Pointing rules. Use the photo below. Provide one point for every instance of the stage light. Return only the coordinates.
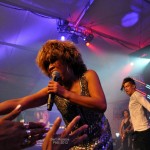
(68, 28)
(63, 26)
(142, 53)
(61, 22)
(87, 43)
(89, 37)
(147, 86)
(62, 38)
(130, 19)
(74, 38)
(117, 135)
(84, 38)
(131, 64)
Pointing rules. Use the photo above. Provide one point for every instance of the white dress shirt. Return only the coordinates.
(138, 118)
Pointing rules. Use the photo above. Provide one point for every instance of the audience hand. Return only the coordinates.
(13, 114)
(17, 135)
(66, 139)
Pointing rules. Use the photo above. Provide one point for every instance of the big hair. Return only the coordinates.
(125, 110)
(65, 51)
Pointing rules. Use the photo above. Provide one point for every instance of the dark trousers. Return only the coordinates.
(127, 143)
(142, 140)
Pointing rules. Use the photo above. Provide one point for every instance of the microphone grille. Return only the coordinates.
(55, 74)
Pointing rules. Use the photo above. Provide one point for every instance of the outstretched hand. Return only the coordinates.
(13, 114)
(17, 135)
(66, 139)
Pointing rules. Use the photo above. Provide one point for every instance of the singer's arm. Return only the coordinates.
(97, 98)
(34, 100)
(95, 101)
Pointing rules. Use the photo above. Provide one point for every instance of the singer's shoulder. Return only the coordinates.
(90, 71)
(90, 74)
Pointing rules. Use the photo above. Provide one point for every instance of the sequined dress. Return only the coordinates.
(99, 133)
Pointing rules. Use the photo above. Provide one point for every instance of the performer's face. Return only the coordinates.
(60, 67)
(126, 114)
(129, 88)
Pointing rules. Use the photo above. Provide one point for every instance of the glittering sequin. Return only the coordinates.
(99, 134)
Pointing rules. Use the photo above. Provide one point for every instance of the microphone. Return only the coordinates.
(51, 97)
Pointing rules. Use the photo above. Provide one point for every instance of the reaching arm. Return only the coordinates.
(34, 100)
(97, 98)
(71, 138)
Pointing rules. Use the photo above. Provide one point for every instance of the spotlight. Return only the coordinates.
(61, 22)
(143, 52)
(89, 37)
(62, 38)
(131, 64)
(68, 29)
(117, 135)
(74, 38)
(147, 86)
(87, 43)
(63, 26)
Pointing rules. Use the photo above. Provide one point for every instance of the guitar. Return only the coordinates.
(125, 131)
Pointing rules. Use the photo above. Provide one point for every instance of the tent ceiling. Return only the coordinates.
(119, 28)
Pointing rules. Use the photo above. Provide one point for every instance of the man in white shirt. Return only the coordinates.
(137, 104)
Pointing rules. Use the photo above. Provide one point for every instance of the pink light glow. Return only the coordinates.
(127, 69)
(96, 50)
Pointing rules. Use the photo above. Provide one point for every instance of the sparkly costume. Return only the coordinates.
(99, 134)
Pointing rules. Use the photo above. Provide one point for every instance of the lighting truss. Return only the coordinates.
(63, 26)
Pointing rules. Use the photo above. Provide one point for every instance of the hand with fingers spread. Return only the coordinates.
(17, 135)
(67, 138)
(13, 135)
(32, 132)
